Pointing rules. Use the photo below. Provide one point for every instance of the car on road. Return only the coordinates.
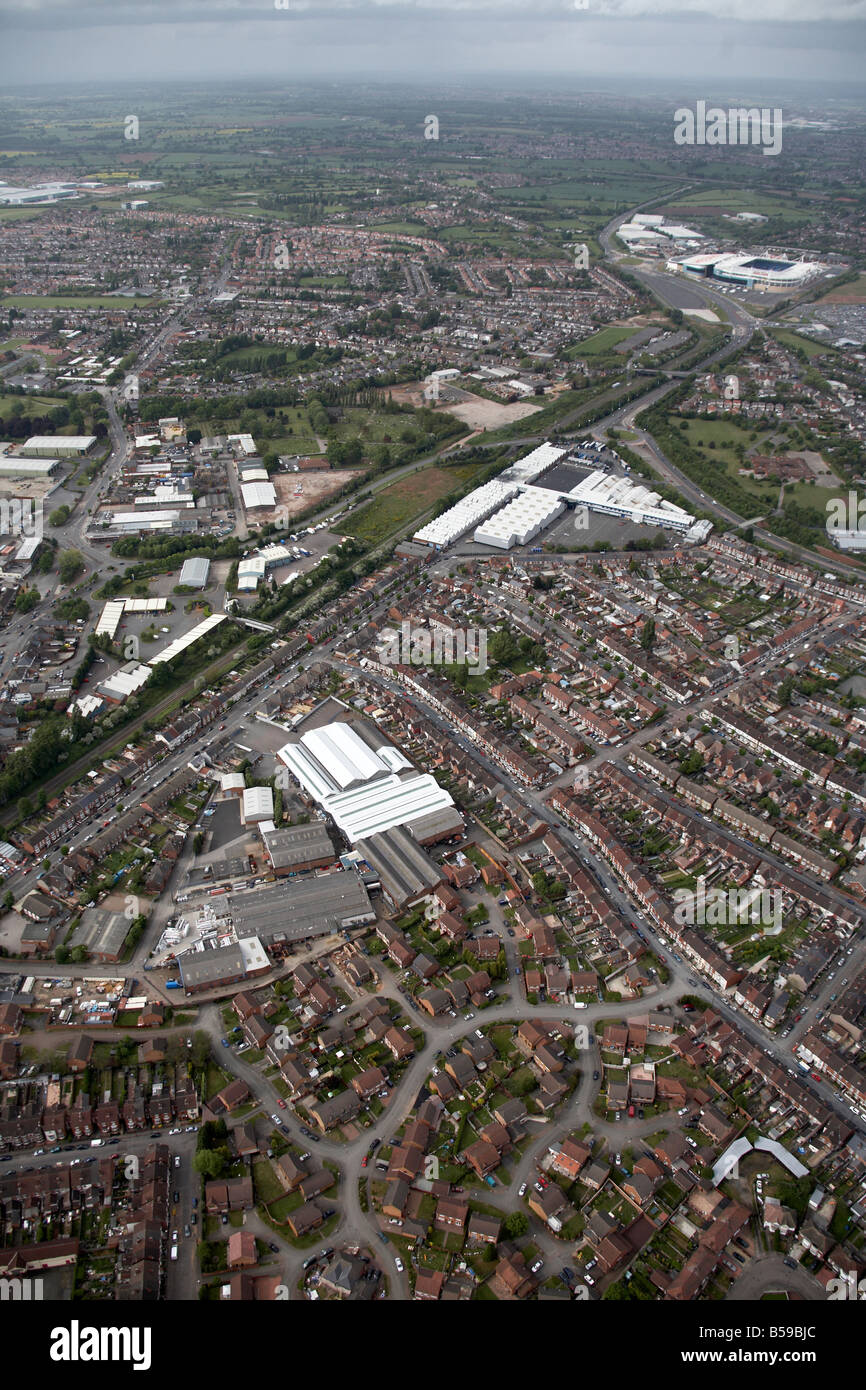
(187, 1231)
(281, 1104)
(791, 1264)
(276, 1119)
(510, 931)
(177, 1160)
(521, 1191)
(398, 1264)
(225, 1218)
(365, 1160)
(272, 1245)
(224, 1041)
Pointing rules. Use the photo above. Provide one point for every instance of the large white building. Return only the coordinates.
(763, 272)
(365, 790)
(517, 523)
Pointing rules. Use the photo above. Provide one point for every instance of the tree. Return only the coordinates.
(648, 634)
(516, 1224)
(209, 1163)
(8, 900)
(70, 565)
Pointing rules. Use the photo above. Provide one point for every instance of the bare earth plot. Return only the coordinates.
(315, 487)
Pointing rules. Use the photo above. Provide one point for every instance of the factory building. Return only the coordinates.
(58, 445)
(195, 571)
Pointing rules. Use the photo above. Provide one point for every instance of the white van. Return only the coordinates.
(174, 1252)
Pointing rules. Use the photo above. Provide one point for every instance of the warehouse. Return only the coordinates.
(250, 571)
(102, 932)
(200, 970)
(522, 519)
(12, 467)
(124, 682)
(258, 805)
(468, 512)
(405, 872)
(365, 790)
(180, 644)
(194, 573)
(299, 848)
(327, 903)
(58, 446)
(257, 495)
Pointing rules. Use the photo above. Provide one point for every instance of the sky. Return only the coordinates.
(694, 41)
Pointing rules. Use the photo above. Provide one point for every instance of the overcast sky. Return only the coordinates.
(70, 41)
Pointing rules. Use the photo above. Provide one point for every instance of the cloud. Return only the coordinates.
(59, 15)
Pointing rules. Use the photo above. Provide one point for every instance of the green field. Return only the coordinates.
(726, 434)
(396, 506)
(603, 341)
(807, 345)
(32, 405)
(67, 301)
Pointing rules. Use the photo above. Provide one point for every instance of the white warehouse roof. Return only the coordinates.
(180, 644)
(525, 469)
(521, 519)
(258, 495)
(468, 512)
(258, 803)
(343, 754)
(379, 806)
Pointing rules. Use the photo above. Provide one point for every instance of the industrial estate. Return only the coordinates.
(432, 709)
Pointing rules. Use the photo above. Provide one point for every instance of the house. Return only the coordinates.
(231, 1194)
(233, 1095)
(241, 1250)
(399, 1044)
(368, 1082)
(428, 1284)
(396, 1199)
(340, 1110)
(304, 1219)
(451, 1214)
(551, 1206)
(483, 1157)
(568, 1158)
(318, 1182)
(80, 1053)
(290, 1171)
(512, 1279)
(483, 1230)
